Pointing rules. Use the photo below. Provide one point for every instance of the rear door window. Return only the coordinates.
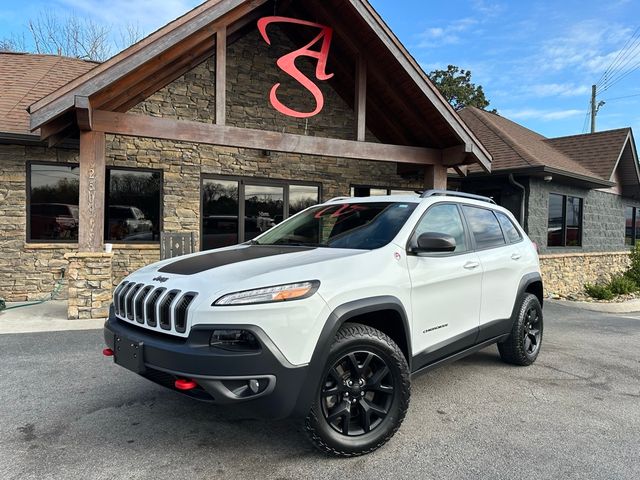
(509, 229)
(484, 227)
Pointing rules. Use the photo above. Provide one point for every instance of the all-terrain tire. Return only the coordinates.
(364, 342)
(523, 344)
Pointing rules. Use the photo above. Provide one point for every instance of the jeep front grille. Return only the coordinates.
(153, 307)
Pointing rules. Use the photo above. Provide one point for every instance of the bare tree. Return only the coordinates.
(15, 43)
(72, 36)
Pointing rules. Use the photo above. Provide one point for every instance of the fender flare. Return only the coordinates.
(525, 281)
(336, 319)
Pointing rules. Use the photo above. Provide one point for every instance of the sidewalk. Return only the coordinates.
(46, 317)
(630, 306)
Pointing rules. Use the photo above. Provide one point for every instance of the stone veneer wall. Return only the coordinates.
(565, 274)
(90, 285)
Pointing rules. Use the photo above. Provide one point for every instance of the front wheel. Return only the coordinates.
(522, 346)
(364, 394)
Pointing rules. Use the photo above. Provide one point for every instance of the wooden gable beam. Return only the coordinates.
(84, 113)
(198, 132)
(361, 98)
(221, 75)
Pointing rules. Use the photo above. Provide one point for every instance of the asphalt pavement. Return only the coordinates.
(66, 412)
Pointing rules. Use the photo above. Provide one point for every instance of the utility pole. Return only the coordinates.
(595, 107)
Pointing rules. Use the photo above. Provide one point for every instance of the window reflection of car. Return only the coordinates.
(54, 220)
(127, 222)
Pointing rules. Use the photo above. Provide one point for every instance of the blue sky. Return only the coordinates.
(536, 60)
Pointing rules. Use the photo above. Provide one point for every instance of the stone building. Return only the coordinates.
(578, 197)
(202, 128)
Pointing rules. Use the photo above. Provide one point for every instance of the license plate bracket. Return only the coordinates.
(129, 353)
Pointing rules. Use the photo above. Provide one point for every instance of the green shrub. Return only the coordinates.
(634, 268)
(622, 284)
(598, 291)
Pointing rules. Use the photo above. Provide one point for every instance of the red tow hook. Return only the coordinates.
(185, 384)
(107, 352)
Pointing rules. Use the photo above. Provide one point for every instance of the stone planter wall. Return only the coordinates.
(90, 285)
(565, 274)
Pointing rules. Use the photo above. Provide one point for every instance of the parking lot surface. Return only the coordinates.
(68, 412)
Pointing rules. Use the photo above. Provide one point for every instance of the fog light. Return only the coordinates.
(236, 340)
(254, 385)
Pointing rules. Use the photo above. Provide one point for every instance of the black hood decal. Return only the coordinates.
(200, 263)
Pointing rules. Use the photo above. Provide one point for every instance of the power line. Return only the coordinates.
(621, 98)
(618, 58)
(622, 76)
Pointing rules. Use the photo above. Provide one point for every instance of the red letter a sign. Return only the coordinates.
(287, 64)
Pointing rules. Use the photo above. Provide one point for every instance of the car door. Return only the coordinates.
(445, 288)
(500, 259)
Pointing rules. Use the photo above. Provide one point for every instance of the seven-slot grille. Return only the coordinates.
(154, 307)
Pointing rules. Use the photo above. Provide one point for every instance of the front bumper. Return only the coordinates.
(221, 375)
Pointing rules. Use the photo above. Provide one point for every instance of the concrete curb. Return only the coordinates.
(629, 306)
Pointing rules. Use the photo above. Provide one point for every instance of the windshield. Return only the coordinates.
(363, 226)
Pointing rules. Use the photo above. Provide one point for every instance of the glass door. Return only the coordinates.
(263, 208)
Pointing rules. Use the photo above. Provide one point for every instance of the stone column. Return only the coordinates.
(90, 284)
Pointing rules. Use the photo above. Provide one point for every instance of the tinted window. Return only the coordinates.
(509, 229)
(565, 221)
(484, 227)
(219, 213)
(443, 219)
(555, 230)
(133, 205)
(629, 231)
(53, 201)
(363, 226)
(301, 197)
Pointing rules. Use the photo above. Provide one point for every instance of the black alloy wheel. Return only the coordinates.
(357, 393)
(523, 344)
(363, 393)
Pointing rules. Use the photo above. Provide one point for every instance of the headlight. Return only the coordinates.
(277, 293)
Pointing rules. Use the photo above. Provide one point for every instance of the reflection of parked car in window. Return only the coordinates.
(127, 222)
(54, 220)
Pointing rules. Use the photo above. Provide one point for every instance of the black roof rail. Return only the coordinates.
(452, 193)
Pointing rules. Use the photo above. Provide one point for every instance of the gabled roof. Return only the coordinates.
(590, 158)
(599, 152)
(400, 91)
(24, 78)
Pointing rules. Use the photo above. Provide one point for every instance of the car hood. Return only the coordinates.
(245, 267)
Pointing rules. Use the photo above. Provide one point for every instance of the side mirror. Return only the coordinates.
(433, 242)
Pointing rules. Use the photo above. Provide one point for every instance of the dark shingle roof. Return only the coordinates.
(25, 78)
(599, 151)
(513, 146)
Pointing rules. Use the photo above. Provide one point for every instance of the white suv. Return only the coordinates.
(327, 315)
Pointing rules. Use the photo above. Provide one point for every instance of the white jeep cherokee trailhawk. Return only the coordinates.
(327, 315)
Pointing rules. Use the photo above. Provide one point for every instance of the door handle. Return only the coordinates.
(515, 256)
(471, 265)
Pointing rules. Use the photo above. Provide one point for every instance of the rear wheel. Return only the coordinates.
(364, 394)
(522, 346)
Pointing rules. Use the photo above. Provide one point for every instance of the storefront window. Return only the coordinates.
(219, 213)
(564, 228)
(263, 205)
(132, 207)
(301, 197)
(632, 225)
(53, 202)
(365, 191)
